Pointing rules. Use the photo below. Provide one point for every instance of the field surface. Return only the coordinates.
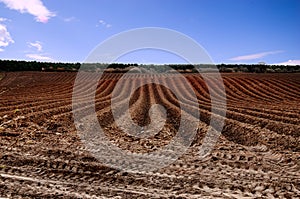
(256, 156)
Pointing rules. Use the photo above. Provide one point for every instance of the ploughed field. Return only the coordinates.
(256, 156)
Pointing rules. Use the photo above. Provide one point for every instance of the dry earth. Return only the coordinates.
(256, 156)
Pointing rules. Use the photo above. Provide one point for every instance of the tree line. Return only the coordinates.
(14, 65)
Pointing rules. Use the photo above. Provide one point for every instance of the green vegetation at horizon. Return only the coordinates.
(13, 65)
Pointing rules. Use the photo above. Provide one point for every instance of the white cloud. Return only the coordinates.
(1, 50)
(36, 53)
(5, 38)
(2, 19)
(37, 45)
(103, 23)
(33, 7)
(289, 62)
(39, 57)
(69, 19)
(254, 56)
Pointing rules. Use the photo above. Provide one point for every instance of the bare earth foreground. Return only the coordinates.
(256, 156)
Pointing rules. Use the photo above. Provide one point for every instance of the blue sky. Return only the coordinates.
(231, 31)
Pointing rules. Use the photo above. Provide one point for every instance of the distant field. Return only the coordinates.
(257, 154)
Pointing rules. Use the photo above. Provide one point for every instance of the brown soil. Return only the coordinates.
(256, 156)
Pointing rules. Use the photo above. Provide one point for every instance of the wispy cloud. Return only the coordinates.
(37, 52)
(69, 19)
(254, 56)
(39, 57)
(33, 7)
(103, 23)
(5, 38)
(289, 62)
(3, 19)
(37, 45)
